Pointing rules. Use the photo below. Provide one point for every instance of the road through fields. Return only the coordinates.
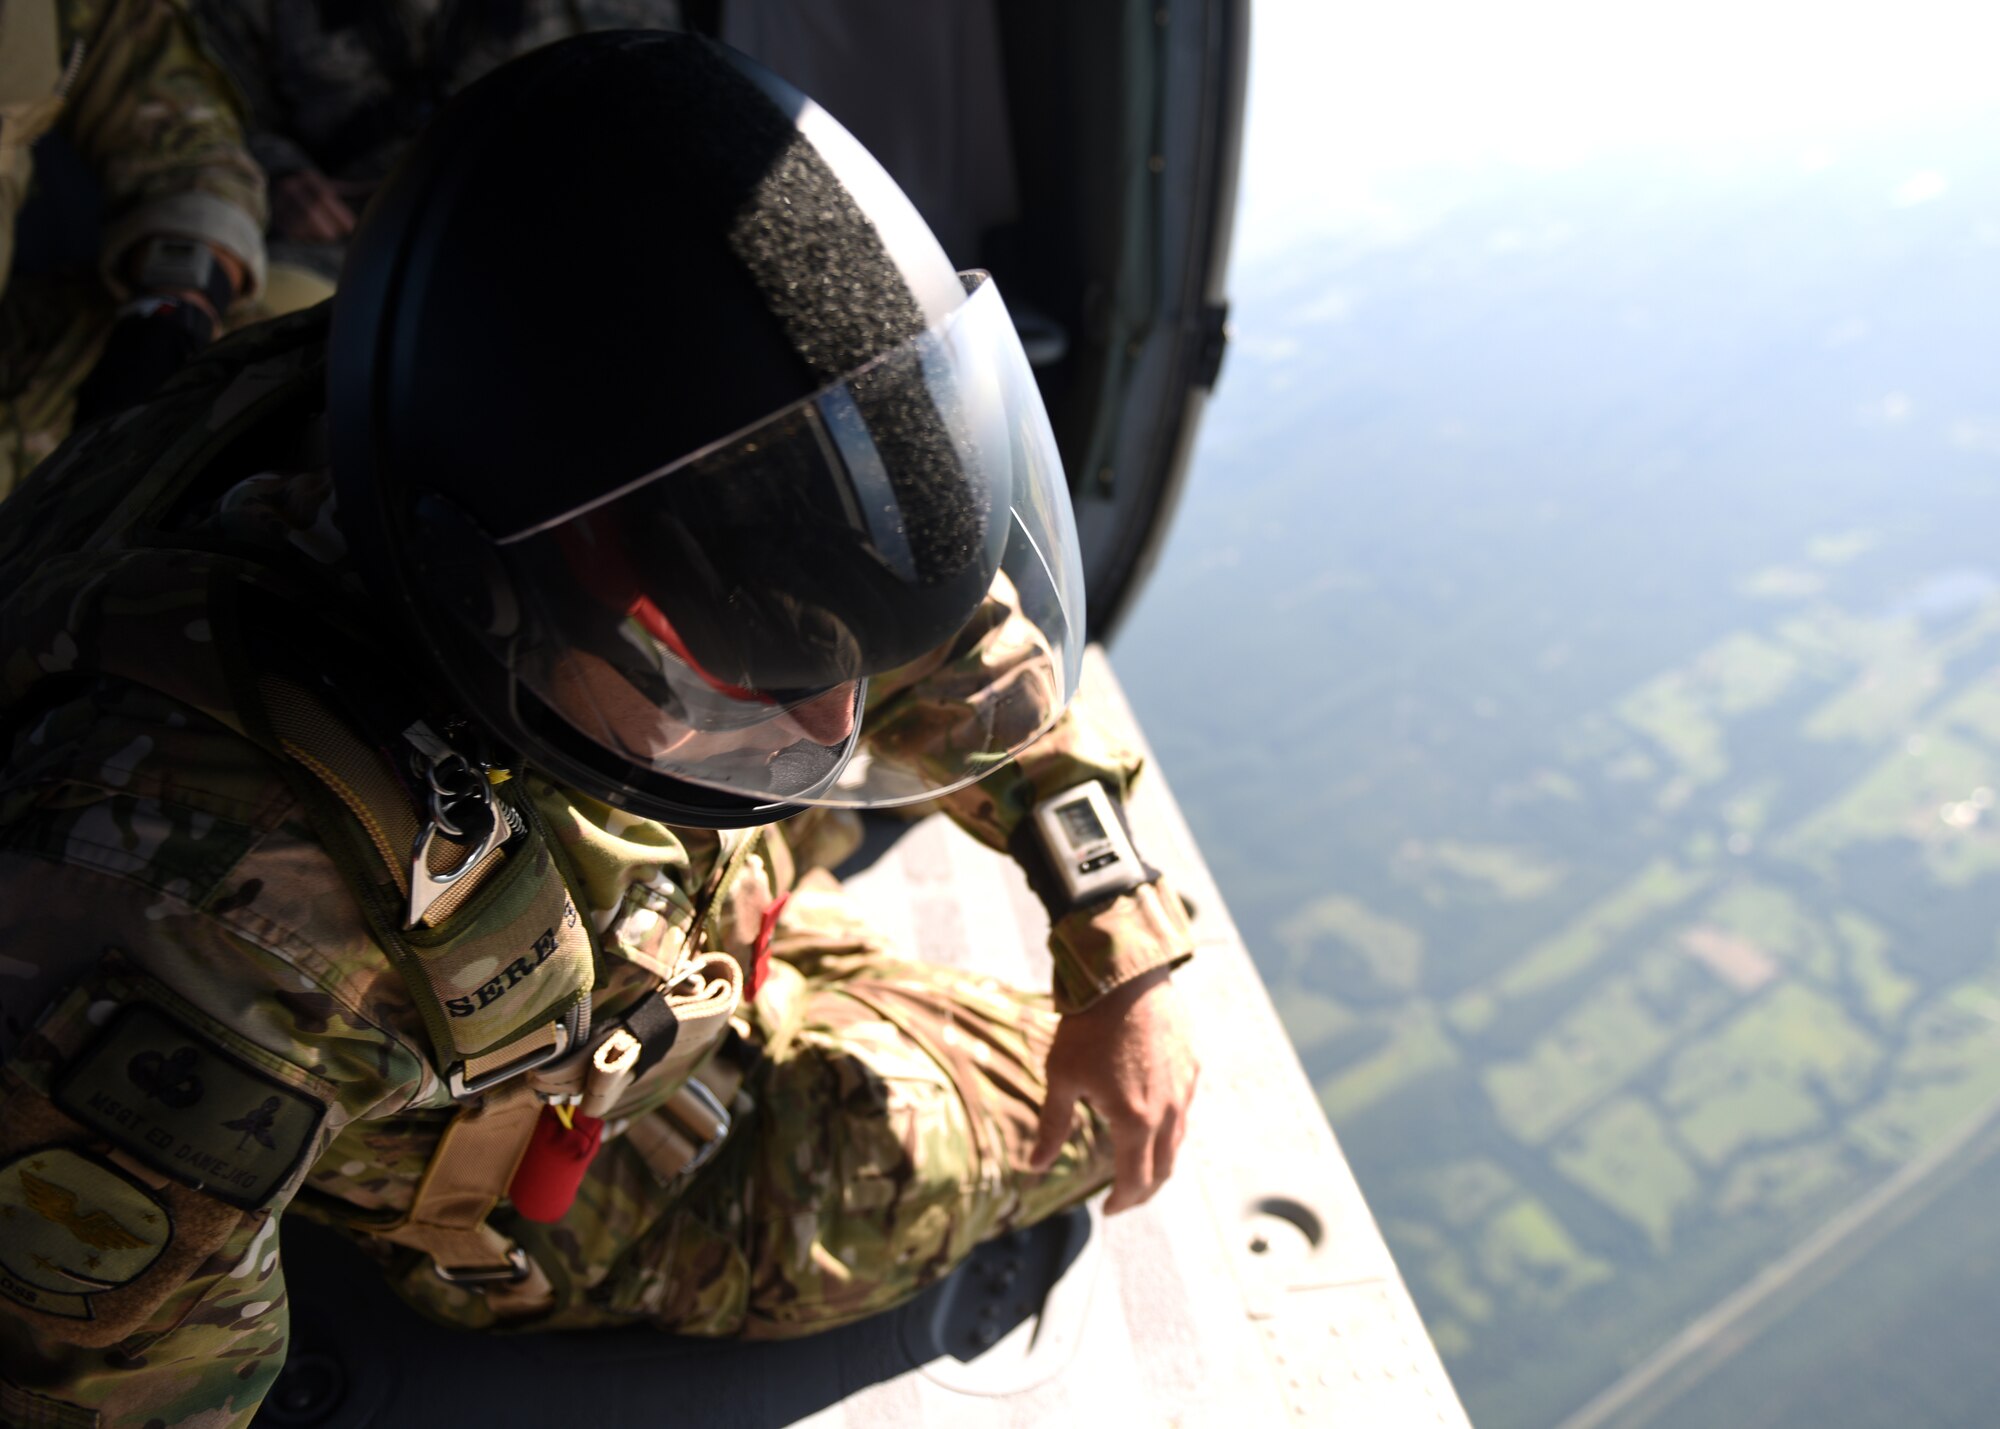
(1736, 1322)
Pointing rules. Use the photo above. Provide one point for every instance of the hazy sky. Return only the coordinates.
(1346, 98)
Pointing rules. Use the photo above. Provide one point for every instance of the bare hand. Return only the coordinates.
(1130, 1057)
(307, 208)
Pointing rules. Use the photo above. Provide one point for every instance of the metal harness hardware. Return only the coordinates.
(513, 1272)
(707, 1106)
(463, 1084)
(462, 807)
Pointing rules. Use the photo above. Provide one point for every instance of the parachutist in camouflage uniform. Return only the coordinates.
(398, 837)
(337, 88)
(115, 97)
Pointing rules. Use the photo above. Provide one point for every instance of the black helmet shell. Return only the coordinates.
(602, 259)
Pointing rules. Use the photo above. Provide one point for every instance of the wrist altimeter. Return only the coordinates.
(1086, 845)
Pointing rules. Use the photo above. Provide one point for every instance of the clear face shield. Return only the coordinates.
(732, 619)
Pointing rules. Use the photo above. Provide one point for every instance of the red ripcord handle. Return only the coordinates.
(558, 1156)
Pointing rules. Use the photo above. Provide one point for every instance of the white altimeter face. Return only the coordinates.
(1087, 845)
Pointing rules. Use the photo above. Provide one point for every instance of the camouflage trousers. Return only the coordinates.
(890, 1135)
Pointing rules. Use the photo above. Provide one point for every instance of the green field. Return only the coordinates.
(1621, 833)
(1696, 1040)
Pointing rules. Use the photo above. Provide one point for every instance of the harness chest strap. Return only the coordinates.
(501, 966)
(477, 1157)
(484, 1032)
(474, 1161)
(370, 815)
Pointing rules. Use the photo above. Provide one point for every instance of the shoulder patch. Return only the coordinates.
(183, 1104)
(74, 1227)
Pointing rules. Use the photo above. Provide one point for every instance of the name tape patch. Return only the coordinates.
(176, 1100)
(72, 1227)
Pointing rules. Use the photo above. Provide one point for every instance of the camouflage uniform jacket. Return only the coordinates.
(126, 85)
(157, 871)
(117, 95)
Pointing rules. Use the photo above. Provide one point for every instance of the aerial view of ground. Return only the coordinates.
(1579, 653)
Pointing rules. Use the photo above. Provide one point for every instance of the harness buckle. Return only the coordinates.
(513, 1272)
(713, 1135)
(463, 1086)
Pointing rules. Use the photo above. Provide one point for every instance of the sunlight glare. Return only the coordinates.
(1344, 97)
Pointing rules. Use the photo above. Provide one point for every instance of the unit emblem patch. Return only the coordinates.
(72, 1227)
(179, 1101)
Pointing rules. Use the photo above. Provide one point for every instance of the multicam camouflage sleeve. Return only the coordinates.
(999, 670)
(185, 1031)
(240, 34)
(161, 125)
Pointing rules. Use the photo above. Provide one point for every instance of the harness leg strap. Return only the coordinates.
(468, 1173)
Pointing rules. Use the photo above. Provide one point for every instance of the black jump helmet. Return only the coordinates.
(663, 421)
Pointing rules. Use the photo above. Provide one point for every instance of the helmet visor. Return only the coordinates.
(723, 620)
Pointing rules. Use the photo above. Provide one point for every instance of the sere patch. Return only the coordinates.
(75, 1227)
(174, 1098)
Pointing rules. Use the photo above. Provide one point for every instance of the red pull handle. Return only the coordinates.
(546, 1182)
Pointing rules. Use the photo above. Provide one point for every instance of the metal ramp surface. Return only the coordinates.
(1255, 1289)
